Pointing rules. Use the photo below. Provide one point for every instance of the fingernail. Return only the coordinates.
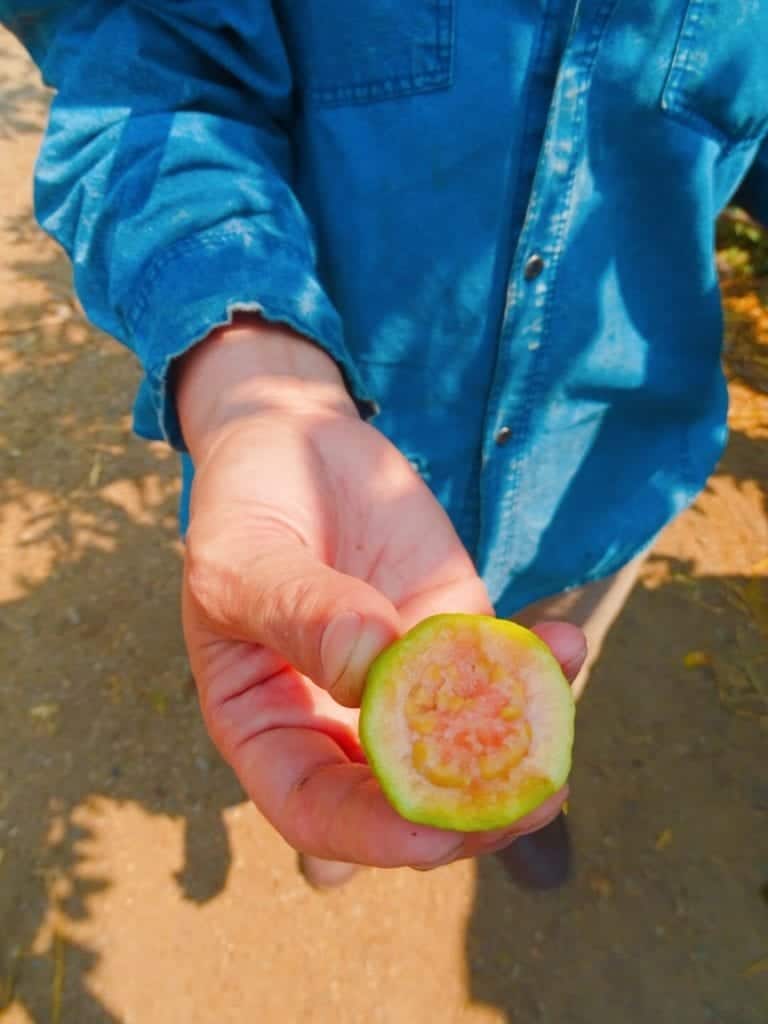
(567, 642)
(348, 647)
(572, 653)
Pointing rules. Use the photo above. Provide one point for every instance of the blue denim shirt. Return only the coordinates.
(497, 217)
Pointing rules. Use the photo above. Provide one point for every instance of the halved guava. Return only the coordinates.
(467, 722)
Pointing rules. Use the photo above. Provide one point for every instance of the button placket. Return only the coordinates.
(517, 378)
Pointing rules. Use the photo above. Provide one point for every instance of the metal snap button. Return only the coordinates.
(533, 267)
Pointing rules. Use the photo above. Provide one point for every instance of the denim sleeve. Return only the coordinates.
(753, 192)
(165, 172)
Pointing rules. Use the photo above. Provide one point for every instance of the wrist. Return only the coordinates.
(251, 368)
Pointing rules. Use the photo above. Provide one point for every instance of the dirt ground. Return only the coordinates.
(137, 887)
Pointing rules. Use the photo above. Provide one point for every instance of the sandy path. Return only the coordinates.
(136, 887)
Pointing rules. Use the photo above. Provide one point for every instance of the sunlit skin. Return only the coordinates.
(310, 533)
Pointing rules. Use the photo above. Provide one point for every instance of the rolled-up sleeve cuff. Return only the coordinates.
(197, 285)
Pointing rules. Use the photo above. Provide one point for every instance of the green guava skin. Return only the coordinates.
(471, 809)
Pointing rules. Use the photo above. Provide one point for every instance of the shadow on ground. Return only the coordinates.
(669, 803)
(95, 694)
(666, 916)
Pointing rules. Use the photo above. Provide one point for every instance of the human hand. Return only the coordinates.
(312, 545)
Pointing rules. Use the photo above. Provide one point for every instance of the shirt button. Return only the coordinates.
(503, 435)
(533, 267)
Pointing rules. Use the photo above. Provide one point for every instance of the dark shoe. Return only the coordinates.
(541, 860)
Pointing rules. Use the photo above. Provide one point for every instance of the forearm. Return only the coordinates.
(250, 367)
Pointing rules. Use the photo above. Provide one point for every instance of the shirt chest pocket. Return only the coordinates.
(718, 78)
(347, 52)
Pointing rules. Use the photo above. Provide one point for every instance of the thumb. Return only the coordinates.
(327, 625)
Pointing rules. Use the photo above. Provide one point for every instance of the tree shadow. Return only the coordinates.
(95, 695)
(669, 799)
(23, 103)
(668, 814)
(95, 692)
(664, 917)
(96, 700)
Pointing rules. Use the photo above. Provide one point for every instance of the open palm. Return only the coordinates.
(312, 545)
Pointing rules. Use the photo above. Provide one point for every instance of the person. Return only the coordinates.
(424, 295)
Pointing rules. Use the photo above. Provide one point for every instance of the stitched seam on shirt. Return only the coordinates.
(390, 83)
(204, 240)
(676, 101)
(394, 86)
(542, 357)
(443, 48)
(166, 412)
(703, 126)
(277, 310)
(531, 216)
(274, 310)
(512, 292)
(681, 58)
(510, 300)
(379, 91)
(540, 360)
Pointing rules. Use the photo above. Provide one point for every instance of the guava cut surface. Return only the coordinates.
(467, 722)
